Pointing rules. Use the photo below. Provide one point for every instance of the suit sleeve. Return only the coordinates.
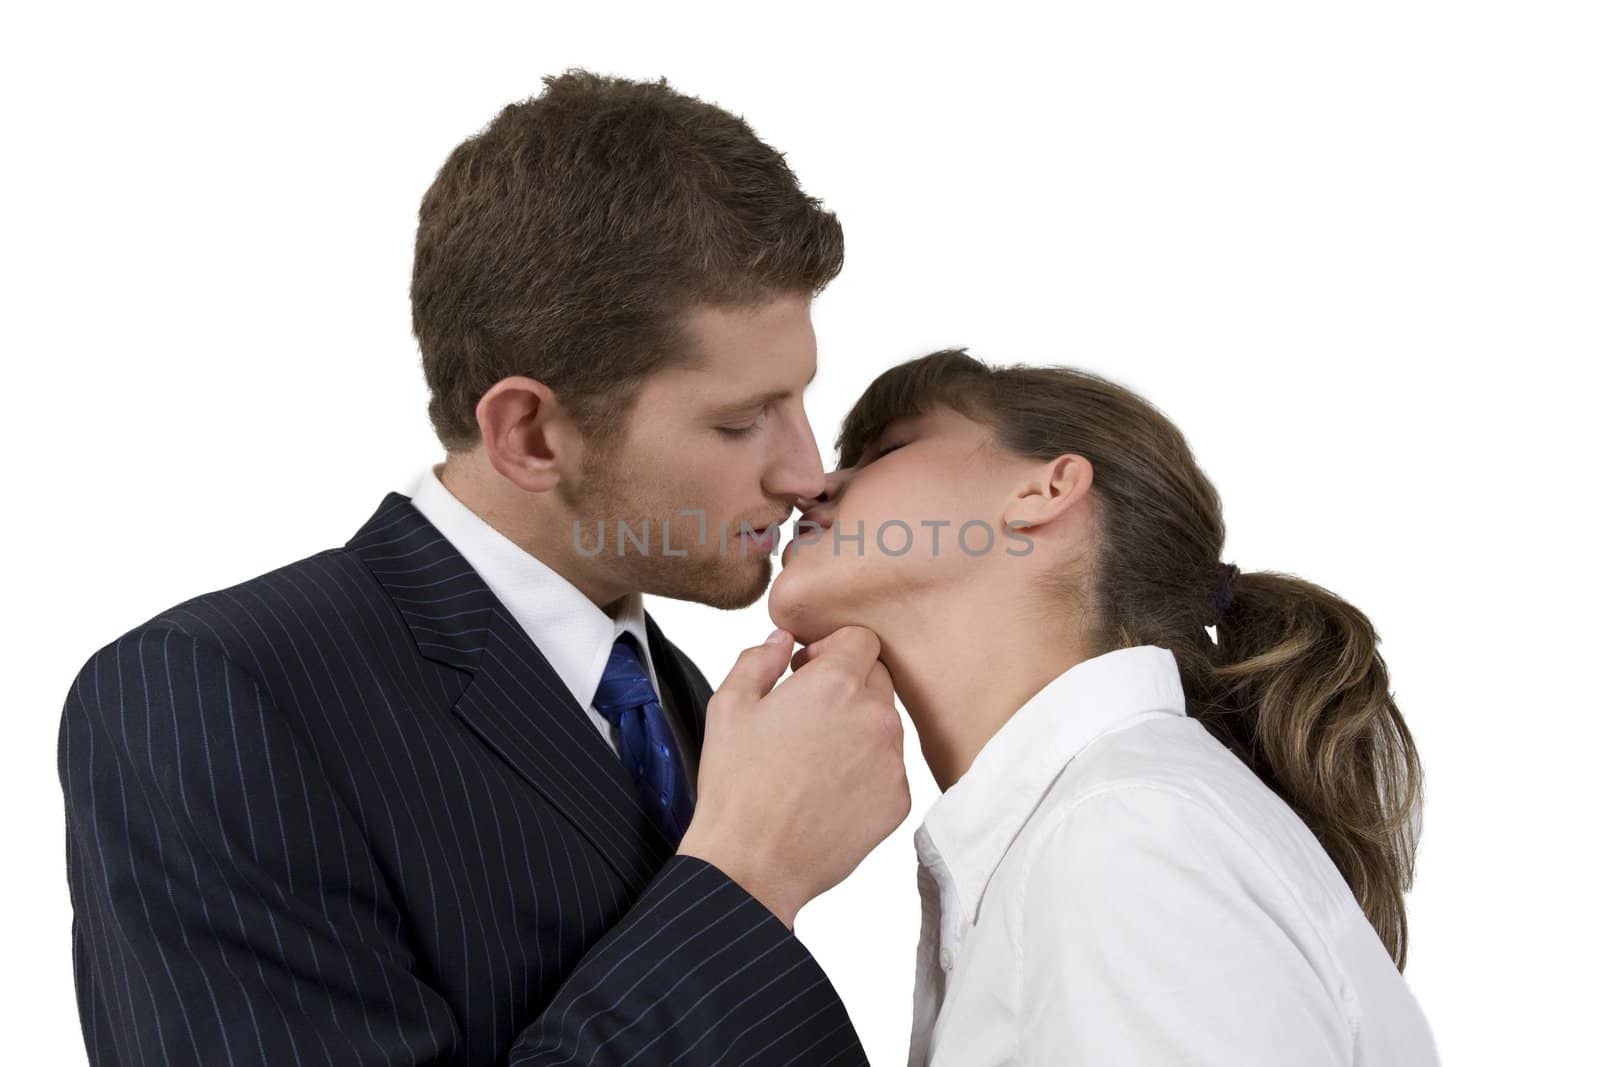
(698, 972)
(227, 909)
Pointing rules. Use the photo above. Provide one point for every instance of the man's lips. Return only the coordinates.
(758, 527)
(764, 539)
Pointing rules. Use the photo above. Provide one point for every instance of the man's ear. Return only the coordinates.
(527, 437)
(1048, 491)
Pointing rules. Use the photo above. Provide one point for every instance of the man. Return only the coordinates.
(447, 795)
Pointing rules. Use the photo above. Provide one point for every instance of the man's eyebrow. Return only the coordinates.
(761, 400)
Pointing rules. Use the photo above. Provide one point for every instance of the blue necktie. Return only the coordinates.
(644, 740)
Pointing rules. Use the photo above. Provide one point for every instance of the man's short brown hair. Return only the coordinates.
(565, 241)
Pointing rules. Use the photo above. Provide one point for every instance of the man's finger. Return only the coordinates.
(758, 669)
(879, 682)
(853, 645)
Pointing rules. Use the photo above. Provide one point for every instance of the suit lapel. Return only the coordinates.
(512, 699)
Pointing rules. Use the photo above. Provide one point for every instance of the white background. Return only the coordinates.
(1352, 248)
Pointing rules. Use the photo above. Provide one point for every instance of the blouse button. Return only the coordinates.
(947, 959)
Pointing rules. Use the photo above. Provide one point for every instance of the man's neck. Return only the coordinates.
(538, 523)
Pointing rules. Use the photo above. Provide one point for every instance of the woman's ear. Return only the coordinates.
(526, 435)
(1048, 491)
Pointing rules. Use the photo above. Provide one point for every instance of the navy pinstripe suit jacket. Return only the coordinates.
(346, 813)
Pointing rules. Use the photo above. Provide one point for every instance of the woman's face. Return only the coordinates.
(914, 525)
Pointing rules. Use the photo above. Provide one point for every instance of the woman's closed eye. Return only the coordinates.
(880, 453)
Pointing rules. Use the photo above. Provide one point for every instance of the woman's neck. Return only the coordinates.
(961, 683)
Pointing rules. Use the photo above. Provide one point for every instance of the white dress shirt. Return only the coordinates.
(572, 632)
(1109, 885)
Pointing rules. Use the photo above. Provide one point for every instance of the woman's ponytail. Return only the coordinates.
(1299, 691)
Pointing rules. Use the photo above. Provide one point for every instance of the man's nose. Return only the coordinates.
(798, 475)
(832, 486)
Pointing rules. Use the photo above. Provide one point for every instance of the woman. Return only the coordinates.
(1153, 847)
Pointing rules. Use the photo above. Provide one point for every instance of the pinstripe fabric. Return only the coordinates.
(346, 813)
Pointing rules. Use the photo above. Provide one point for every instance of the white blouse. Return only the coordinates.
(1109, 885)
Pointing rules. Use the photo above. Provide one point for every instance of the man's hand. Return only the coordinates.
(797, 784)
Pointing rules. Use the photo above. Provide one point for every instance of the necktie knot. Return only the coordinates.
(624, 685)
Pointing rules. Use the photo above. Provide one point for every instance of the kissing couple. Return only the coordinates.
(447, 794)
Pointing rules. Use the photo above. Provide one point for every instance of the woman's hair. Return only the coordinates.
(1293, 684)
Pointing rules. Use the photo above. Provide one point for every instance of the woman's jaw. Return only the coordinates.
(945, 545)
(964, 655)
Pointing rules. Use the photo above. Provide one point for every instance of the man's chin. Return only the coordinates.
(728, 583)
(740, 594)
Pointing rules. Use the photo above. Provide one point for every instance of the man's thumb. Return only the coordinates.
(758, 669)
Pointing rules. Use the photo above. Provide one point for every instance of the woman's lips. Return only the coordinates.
(805, 530)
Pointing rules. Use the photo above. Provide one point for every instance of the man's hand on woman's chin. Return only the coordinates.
(798, 783)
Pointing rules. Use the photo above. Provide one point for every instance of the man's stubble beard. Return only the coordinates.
(704, 576)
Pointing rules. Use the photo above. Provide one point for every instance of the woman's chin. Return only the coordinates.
(794, 606)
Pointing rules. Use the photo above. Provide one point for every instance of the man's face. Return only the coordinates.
(705, 450)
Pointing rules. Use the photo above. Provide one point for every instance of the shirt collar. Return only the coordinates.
(969, 829)
(568, 628)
